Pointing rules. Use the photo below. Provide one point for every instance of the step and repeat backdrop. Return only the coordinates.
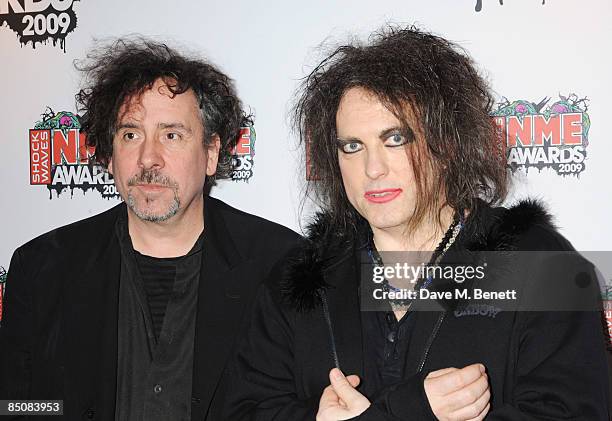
(548, 61)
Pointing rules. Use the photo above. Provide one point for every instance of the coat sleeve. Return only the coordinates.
(403, 401)
(16, 331)
(262, 379)
(562, 371)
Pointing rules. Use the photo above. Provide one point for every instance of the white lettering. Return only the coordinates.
(34, 6)
(58, 176)
(479, 294)
(98, 173)
(85, 175)
(378, 275)
(4, 7)
(461, 294)
(61, 5)
(425, 294)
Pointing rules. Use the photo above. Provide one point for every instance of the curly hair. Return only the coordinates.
(424, 80)
(127, 67)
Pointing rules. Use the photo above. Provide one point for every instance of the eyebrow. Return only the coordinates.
(127, 125)
(180, 126)
(385, 133)
(382, 135)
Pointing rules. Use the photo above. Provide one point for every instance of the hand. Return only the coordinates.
(459, 394)
(340, 400)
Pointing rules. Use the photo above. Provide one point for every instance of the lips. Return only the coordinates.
(382, 196)
(152, 187)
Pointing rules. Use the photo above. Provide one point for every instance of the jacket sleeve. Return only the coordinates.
(560, 369)
(403, 401)
(16, 334)
(562, 372)
(262, 378)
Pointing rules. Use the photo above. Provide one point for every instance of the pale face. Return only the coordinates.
(159, 161)
(376, 171)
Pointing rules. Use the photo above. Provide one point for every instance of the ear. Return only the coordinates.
(110, 166)
(213, 154)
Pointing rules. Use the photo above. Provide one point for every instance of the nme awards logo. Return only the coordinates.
(243, 155)
(39, 21)
(2, 285)
(545, 136)
(60, 158)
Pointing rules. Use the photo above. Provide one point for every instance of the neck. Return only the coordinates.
(425, 238)
(171, 238)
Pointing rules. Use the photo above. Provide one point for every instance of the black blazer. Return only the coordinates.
(58, 338)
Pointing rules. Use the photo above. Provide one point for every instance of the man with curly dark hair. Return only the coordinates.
(141, 322)
(405, 160)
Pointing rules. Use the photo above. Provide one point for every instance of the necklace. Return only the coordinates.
(447, 241)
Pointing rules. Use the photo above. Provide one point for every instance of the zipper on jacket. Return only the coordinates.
(330, 329)
(430, 340)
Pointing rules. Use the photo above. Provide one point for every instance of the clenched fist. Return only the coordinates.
(459, 394)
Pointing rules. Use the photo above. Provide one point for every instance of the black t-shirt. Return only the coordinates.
(158, 275)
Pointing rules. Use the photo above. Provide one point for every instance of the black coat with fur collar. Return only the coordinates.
(307, 320)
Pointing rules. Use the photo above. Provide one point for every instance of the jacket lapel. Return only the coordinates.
(220, 308)
(90, 328)
(345, 314)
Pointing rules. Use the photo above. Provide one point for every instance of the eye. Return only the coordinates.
(351, 147)
(129, 136)
(173, 136)
(395, 140)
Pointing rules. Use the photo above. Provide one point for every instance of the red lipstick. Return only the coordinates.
(382, 196)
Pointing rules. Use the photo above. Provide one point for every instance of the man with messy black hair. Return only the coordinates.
(126, 68)
(405, 158)
(131, 314)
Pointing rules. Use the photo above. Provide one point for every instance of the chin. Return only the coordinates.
(158, 211)
(383, 223)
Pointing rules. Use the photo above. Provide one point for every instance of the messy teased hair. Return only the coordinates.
(434, 90)
(126, 67)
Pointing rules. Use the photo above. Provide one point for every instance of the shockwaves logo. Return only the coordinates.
(60, 158)
(478, 7)
(243, 155)
(39, 21)
(2, 285)
(545, 136)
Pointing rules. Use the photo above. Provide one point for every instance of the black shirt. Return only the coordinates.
(158, 276)
(386, 342)
(386, 339)
(154, 371)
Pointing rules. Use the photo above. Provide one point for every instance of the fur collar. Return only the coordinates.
(486, 229)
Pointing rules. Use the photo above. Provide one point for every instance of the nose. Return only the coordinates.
(150, 156)
(376, 164)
